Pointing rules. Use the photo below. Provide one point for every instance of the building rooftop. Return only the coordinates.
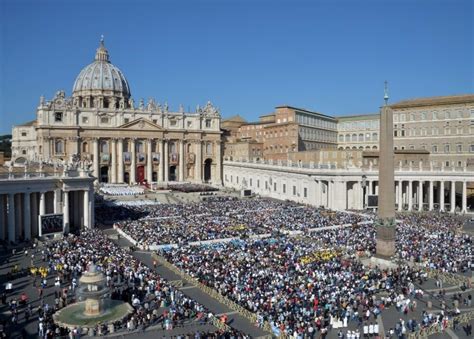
(305, 111)
(441, 100)
(236, 118)
(369, 116)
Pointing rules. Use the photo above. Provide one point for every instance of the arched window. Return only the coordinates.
(188, 146)
(354, 137)
(348, 137)
(375, 136)
(85, 147)
(59, 147)
(208, 148)
(361, 137)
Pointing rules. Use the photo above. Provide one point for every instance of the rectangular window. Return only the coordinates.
(173, 122)
(434, 149)
(126, 120)
(446, 149)
(155, 121)
(471, 148)
(305, 192)
(104, 120)
(294, 190)
(85, 120)
(208, 123)
(274, 186)
(189, 124)
(284, 185)
(459, 148)
(237, 179)
(58, 116)
(24, 134)
(251, 182)
(226, 179)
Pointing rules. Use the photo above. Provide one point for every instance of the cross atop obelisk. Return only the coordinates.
(386, 203)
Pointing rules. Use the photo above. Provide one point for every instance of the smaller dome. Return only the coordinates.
(101, 78)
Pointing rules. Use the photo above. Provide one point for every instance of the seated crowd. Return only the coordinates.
(121, 190)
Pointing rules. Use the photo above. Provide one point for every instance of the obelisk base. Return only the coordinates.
(385, 247)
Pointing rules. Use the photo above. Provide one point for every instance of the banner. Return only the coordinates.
(141, 157)
(155, 158)
(127, 157)
(191, 158)
(51, 223)
(174, 158)
(104, 157)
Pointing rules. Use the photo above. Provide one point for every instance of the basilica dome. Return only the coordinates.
(101, 80)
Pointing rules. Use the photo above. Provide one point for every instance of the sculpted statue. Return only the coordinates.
(166, 107)
(131, 103)
(181, 108)
(122, 103)
(42, 101)
(141, 105)
(159, 108)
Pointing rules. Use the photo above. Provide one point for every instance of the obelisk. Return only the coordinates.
(385, 221)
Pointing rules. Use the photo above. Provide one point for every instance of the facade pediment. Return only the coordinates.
(142, 124)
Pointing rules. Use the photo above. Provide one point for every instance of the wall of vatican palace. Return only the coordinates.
(422, 188)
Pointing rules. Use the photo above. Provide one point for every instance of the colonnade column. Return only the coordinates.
(218, 163)
(430, 195)
(441, 196)
(42, 210)
(66, 212)
(464, 197)
(166, 167)
(113, 146)
(453, 196)
(198, 175)
(181, 161)
(95, 150)
(57, 193)
(161, 171)
(11, 217)
(369, 192)
(34, 212)
(27, 216)
(400, 195)
(410, 194)
(86, 209)
(120, 161)
(420, 195)
(133, 165)
(149, 161)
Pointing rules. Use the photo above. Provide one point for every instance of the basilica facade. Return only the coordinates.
(124, 141)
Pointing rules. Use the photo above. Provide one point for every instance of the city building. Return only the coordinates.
(126, 144)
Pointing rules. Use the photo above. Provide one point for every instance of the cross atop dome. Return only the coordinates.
(102, 54)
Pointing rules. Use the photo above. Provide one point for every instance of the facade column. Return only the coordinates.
(91, 208)
(34, 213)
(371, 189)
(198, 164)
(400, 195)
(464, 197)
(420, 195)
(430, 195)
(42, 210)
(95, 150)
(2, 217)
(133, 165)
(120, 161)
(181, 161)
(27, 216)
(218, 163)
(56, 202)
(113, 147)
(11, 217)
(410, 195)
(441, 196)
(86, 209)
(161, 167)
(66, 212)
(317, 195)
(149, 161)
(453, 196)
(166, 159)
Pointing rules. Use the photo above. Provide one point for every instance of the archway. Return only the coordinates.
(104, 174)
(140, 174)
(207, 170)
(172, 176)
(126, 178)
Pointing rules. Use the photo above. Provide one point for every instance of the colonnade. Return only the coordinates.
(133, 160)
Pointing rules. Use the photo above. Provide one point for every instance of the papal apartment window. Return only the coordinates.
(58, 116)
(208, 123)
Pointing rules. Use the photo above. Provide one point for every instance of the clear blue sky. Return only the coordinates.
(245, 56)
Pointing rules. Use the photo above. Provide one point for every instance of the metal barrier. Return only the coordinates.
(437, 328)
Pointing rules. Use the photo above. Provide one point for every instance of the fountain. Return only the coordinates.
(94, 305)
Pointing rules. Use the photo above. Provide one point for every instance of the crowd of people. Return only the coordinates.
(121, 190)
(220, 217)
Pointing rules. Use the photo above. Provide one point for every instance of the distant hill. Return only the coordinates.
(6, 145)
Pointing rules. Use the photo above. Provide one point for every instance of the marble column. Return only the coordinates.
(26, 216)
(370, 187)
(430, 195)
(66, 212)
(218, 157)
(410, 195)
(91, 208)
(166, 161)
(11, 217)
(453, 196)
(133, 165)
(464, 197)
(420, 195)
(56, 202)
(120, 161)
(317, 197)
(181, 161)
(95, 150)
(86, 204)
(441, 196)
(400, 195)
(161, 171)
(42, 211)
(113, 148)
(149, 161)
(34, 213)
(3, 211)
(198, 164)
